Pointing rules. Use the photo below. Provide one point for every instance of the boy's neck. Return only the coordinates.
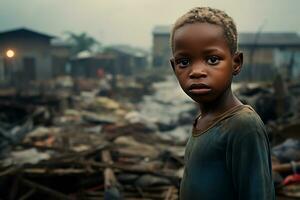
(220, 105)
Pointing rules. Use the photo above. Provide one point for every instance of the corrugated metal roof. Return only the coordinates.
(82, 55)
(270, 38)
(24, 32)
(126, 49)
(264, 38)
(57, 42)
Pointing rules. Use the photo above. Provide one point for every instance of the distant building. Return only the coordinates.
(60, 55)
(265, 54)
(128, 59)
(91, 65)
(161, 51)
(25, 55)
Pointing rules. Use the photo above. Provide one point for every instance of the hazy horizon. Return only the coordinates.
(132, 21)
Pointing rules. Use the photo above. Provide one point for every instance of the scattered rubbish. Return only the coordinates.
(76, 141)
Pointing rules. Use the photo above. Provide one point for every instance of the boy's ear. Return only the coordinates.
(237, 63)
(172, 62)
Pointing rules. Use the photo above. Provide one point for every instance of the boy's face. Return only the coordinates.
(202, 62)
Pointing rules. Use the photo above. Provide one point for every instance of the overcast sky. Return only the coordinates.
(132, 21)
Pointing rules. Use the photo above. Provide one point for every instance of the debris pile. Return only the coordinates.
(278, 104)
(81, 162)
(93, 147)
(127, 141)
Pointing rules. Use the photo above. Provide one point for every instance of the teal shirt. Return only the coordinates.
(230, 160)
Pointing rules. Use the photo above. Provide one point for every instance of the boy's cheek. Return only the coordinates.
(180, 73)
(183, 87)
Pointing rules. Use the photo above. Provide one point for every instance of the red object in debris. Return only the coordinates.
(100, 73)
(47, 142)
(295, 178)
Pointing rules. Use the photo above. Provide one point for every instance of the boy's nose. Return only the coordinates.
(198, 71)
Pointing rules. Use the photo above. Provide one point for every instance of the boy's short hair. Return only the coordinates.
(211, 16)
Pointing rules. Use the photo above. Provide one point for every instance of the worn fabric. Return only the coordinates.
(230, 160)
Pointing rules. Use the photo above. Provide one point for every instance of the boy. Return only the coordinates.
(228, 154)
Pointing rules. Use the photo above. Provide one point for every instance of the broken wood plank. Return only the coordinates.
(287, 167)
(28, 194)
(49, 191)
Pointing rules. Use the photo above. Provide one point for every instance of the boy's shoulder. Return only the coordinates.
(237, 118)
(242, 114)
(245, 115)
(245, 121)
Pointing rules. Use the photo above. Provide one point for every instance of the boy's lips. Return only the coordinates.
(199, 88)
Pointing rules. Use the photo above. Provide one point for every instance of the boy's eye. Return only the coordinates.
(184, 62)
(213, 60)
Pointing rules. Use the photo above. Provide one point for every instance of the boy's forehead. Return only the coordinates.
(200, 33)
(200, 30)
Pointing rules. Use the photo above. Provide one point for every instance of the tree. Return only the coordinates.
(81, 42)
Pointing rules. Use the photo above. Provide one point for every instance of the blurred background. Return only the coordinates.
(90, 108)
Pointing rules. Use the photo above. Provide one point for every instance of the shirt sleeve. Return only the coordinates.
(248, 159)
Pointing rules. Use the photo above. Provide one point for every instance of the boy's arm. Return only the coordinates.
(248, 159)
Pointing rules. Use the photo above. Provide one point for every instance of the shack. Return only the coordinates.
(25, 55)
(266, 54)
(61, 54)
(128, 59)
(91, 65)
